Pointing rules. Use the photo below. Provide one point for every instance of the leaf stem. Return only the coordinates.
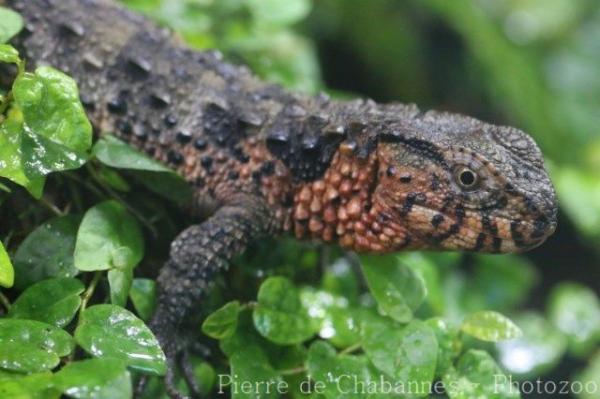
(5, 102)
(351, 349)
(4, 301)
(294, 371)
(116, 196)
(51, 207)
(87, 295)
(249, 305)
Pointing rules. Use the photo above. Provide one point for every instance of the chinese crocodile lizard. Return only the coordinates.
(265, 161)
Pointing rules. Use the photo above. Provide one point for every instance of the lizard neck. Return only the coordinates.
(340, 205)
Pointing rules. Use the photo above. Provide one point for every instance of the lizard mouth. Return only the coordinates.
(473, 232)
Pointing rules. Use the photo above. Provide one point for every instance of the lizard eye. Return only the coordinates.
(466, 178)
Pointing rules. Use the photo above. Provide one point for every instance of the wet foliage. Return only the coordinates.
(86, 225)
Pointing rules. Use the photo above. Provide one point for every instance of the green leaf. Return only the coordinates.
(203, 373)
(115, 153)
(490, 326)
(429, 273)
(406, 353)
(336, 374)
(8, 53)
(169, 185)
(30, 346)
(250, 365)
(143, 296)
(32, 386)
(478, 376)
(42, 155)
(152, 174)
(575, 310)
(108, 238)
(120, 281)
(539, 349)
(56, 131)
(113, 179)
(397, 288)
(94, 379)
(47, 252)
(579, 193)
(7, 273)
(340, 279)
(499, 283)
(279, 315)
(223, 322)
(246, 335)
(449, 345)
(110, 331)
(11, 23)
(53, 301)
(46, 130)
(331, 317)
(11, 154)
(274, 12)
(590, 377)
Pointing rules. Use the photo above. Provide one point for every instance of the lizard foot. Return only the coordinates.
(177, 352)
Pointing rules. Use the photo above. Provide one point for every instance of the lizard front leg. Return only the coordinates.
(197, 255)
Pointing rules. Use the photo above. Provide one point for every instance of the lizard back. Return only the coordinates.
(373, 177)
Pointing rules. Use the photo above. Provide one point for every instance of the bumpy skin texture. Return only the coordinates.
(264, 161)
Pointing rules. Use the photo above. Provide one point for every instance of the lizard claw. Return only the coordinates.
(187, 369)
(177, 357)
(170, 380)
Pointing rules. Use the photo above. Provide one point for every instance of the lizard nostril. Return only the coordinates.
(543, 226)
(540, 226)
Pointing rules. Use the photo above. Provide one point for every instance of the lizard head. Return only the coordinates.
(451, 182)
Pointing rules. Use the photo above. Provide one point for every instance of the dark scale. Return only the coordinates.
(138, 68)
(509, 188)
(117, 105)
(140, 132)
(497, 244)
(515, 233)
(539, 226)
(170, 120)
(200, 144)
(71, 29)
(408, 204)
(452, 230)
(238, 153)
(488, 225)
(174, 157)
(159, 101)
(221, 126)
(206, 162)
(199, 182)
(267, 168)
(233, 175)
(435, 182)
(302, 146)
(420, 198)
(460, 212)
(480, 242)
(437, 220)
(124, 127)
(184, 137)
(87, 102)
(257, 176)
